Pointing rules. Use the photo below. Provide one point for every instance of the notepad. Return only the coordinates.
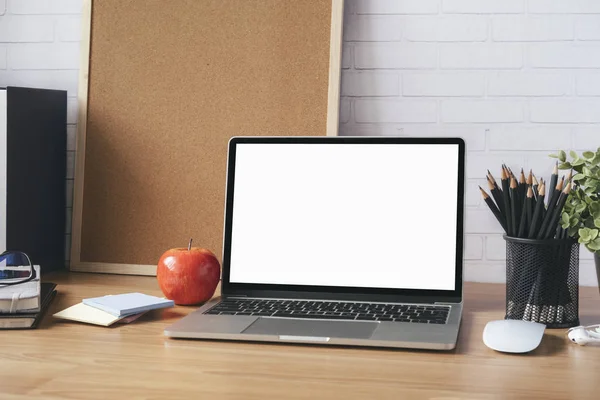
(122, 305)
(91, 315)
(88, 314)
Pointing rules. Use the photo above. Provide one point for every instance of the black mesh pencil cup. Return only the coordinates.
(542, 281)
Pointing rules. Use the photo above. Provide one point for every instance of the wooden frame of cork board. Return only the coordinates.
(162, 88)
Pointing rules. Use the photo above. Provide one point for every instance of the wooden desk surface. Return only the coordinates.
(64, 359)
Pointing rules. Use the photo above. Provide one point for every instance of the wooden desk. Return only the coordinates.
(69, 360)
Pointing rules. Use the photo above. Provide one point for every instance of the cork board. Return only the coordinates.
(163, 86)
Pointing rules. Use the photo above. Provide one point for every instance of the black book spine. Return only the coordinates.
(36, 144)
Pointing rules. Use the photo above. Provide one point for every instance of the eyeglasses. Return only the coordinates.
(15, 268)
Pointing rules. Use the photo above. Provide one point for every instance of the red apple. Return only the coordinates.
(189, 275)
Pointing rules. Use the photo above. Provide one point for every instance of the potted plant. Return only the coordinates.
(581, 214)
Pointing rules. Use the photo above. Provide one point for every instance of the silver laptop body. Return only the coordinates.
(339, 241)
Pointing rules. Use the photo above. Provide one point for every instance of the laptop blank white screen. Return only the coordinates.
(351, 215)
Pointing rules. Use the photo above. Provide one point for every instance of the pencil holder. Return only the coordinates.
(542, 281)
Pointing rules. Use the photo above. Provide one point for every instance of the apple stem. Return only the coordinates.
(190, 245)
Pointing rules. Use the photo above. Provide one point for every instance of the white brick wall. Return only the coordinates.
(492, 111)
(387, 29)
(444, 29)
(16, 29)
(564, 55)
(588, 27)
(44, 7)
(481, 56)
(436, 84)
(517, 79)
(538, 138)
(531, 84)
(61, 56)
(588, 84)
(564, 6)
(394, 6)
(370, 84)
(395, 56)
(367, 110)
(565, 111)
(483, 6)
(3, 52)
(68, 28)
(586, 137)
(532, 28)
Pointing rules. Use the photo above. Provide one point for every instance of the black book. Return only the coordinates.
(33, 137)
(30, 320)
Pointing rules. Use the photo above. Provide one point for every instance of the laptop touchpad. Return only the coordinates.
(311, 328)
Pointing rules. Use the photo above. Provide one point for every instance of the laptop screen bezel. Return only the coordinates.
(229, 288)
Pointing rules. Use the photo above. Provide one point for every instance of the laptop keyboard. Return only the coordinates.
(332, 310)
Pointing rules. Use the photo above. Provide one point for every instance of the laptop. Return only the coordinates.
(354, 241)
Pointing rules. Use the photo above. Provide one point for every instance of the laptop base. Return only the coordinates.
(198, 325)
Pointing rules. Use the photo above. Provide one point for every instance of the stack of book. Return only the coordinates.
(110, 309)
(22, 306)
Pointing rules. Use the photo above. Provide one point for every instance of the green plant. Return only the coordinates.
(581, 214)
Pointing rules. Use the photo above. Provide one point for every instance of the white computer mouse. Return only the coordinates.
(513, 336)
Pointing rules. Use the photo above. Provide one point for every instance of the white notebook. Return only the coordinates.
(122, 305)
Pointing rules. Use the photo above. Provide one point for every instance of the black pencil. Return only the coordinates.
(533, 202)
(559, 231)
(522, 187)
(493, 207)
(535, 187)
(554, 177)
(497, 195)
(543, 215)
(529, 206)
(514, 206)
(557, 211)
(536, 217)
(510, 173)
(549, 211)
(506, 197)
(491, 178)
(569, 177)
(524, 209)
